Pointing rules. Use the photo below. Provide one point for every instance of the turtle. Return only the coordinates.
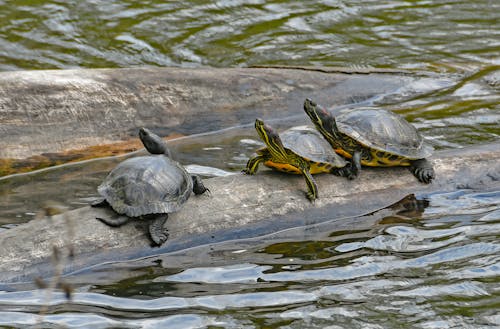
(148, 187)
(298, 150)
(374, 137)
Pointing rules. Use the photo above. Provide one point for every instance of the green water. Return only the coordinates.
(433, 266)
(442, 36)
(453, 40)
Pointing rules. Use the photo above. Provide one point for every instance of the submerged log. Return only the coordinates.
(58, 110)
(239, 206)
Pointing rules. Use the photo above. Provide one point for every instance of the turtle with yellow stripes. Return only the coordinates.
(374, 137)
(298, 150)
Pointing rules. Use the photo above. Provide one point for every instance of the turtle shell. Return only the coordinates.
(385, 131)
(308, 143)
(144, 185)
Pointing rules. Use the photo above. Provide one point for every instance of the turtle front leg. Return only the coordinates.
(312, 193)
(351, 170)
(423, 170)
(253, 164)
(198, 187)
(355, 165)
(158, 233)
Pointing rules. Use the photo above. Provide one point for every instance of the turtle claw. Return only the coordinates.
(346, 172)
(160, 238)
(422, 170)
(247, 171)
(350, 171)
(424, 175)
(351, 176)
(311, 197)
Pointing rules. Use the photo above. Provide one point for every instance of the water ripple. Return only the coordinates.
(436, 269)
(360, 267)
(92, 321)
(437, 265)
(229, 33)
(214, 302)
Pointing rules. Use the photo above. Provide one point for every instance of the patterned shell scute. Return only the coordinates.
(384, 130)
(307, 142)
(145, 185)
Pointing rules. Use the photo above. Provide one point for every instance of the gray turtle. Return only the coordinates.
(148, 187)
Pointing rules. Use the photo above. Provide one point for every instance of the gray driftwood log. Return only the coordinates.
(58, 110)
(239, 206)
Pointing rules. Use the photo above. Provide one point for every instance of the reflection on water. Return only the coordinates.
(412, 263)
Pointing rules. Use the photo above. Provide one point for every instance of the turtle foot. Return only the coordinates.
(352, 169)
(423, 170)
(310, 196)
(346, 172)
(158, 233)
(350, 175)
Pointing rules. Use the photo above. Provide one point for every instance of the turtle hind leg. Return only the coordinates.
(422, 169)
(198, 187)
(114, 221)
(157, 231)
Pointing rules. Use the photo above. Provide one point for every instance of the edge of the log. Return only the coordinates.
(239, 206)
(59, 110)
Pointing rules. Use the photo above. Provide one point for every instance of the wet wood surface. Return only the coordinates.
(239, 206)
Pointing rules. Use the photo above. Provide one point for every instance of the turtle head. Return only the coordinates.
(271, 138)
(152, 142)
(323, 121)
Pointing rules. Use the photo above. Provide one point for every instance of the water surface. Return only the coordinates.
(442, 36)
(430, 263)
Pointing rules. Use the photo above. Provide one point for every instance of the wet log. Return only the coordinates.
(59, 110)
(239, 206)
